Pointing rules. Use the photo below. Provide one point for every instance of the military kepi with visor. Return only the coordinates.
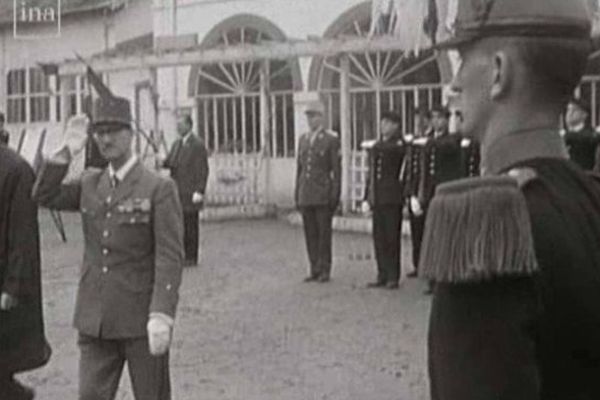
(514, 253)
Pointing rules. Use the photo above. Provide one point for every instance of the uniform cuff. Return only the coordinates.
(163, 317)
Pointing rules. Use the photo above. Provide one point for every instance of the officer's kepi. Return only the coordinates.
(111, 114)
(477, 19)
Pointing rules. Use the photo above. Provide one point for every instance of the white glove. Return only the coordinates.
(7, 302)
(159, 335)
(415, 206)
(365, 208)
(197, 198)
(75, 136)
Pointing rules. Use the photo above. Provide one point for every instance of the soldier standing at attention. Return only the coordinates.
(415, 144)
(581, 139)
(188, 163)
(384, 196)
(317, 193)
(132, 261)
(514, 253)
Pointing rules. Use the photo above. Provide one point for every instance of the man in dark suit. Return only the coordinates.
(384, 197)
(23, 345)
(4, 135)
(188, 162)
(514, 253)
(317, 193)
(581, 139)
(133, 253)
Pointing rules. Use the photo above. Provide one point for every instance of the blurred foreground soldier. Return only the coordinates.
(133, 251)
(317, 193)
(516, 308)
(4, 135)
(384, 196)
(581, 139)
(23, 346)
(188, 163)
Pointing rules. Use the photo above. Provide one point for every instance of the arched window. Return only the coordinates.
(379, 81)
(228, 94)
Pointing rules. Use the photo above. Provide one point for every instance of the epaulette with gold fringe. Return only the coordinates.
(478, 229)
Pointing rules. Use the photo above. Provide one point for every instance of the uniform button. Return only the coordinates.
(169, 286)
(108, 215)
(105, 234)
(104, 270)
(132, 220)
(108, 199)
(105, 252)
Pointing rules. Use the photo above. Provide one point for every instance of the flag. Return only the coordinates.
(95, 81)
(48, 68)
(408, 29)
(430, 25)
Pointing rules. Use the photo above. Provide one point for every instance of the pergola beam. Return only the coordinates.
(234, 53)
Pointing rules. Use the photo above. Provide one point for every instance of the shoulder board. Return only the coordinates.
(465, 142)
(368, 144)
(422, 141)
(523, 175)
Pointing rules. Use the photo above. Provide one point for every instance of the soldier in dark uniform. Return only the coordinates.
(384, 196)
(133, 255)
(581, 139)
(317, 193)
(4, 135)
(444, 157)
(414, 144)
(514, 253)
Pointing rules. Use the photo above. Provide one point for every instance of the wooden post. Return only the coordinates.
(265, 129)
(345, 132)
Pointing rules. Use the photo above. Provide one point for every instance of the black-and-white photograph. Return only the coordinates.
(300, 199)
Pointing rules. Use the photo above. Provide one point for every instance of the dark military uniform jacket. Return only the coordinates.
(443, 159)
(583, 147)
(188, 163)
(529, 336)
(385, 184)
(133, 246)
(318, 171)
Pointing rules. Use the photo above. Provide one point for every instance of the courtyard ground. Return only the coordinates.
(249, 329)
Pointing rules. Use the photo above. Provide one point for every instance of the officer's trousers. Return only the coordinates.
(101, 366)
(387, 229)
(318, 221)
(417, 227)
(191, 236)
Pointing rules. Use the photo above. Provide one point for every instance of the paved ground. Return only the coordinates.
(248, 329)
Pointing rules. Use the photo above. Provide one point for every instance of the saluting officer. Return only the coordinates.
(581, 139)
(384, 196)
(133, 254)
(318, 186)
(514, 253)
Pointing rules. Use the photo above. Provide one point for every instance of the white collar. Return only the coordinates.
(122, 172)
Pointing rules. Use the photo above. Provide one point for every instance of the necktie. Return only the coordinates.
(114, 181)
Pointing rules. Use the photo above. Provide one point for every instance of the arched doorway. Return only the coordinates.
(378, 81)
(244, 109)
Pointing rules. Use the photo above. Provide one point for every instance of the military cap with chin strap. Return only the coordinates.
(477, 19)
